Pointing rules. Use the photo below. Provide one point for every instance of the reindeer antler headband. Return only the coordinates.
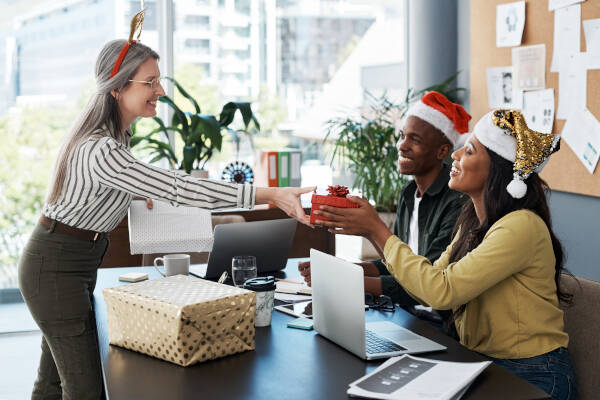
(136, 26)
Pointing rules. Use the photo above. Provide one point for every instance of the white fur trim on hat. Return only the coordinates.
(495, 139)
(438, 120)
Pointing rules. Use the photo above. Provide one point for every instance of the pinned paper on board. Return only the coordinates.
(529, 67)
(500, 87)
(582, 134)
(567, 27)
(510, 21)
(538, 110)
(572, 86)
(556, 4)
(591, 28)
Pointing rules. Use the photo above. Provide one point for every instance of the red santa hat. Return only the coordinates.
(450, 118)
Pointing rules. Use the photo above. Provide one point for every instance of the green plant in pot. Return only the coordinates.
(201, 133)
(367, 145)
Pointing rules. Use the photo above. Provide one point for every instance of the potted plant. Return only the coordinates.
(201, 133)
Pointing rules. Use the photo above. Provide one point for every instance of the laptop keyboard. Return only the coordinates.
(376, 344)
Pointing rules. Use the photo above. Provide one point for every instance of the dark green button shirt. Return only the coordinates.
(438, 210)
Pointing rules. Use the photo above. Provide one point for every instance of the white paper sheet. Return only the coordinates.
(591, 28)
(292, 286)
(510, 21)
(408, 377)
(538, 110)
(572, 85)
(291, 298)
(500, 88)
(168, 229)
(529, 67)
(582, 134)
(556, 4)
(567, 27)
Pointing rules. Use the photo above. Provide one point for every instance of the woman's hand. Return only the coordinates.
(304, 268)
(361, 221)
(149, 203)
(286, 198)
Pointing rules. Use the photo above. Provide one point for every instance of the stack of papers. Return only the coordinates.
(292, 289)
(408, 377)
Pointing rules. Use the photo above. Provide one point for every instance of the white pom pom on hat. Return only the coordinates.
(517, 188)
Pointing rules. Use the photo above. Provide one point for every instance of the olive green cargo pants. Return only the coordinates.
(57, 276)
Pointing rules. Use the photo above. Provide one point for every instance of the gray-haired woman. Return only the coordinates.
(95, 178)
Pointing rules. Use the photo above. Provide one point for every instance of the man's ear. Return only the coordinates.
(443, 151)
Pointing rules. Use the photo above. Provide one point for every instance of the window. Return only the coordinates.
(197, 21)
(201, 46)
(298, 62)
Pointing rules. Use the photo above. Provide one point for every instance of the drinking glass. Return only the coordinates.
(242, 269)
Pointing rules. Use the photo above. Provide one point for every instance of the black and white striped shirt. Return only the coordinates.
(103, 176)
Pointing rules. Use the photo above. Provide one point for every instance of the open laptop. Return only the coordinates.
(269, 241)
(339, 315)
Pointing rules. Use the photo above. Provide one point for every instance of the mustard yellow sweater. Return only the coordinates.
(507, 284)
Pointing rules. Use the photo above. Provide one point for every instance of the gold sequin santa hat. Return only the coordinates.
(505, 132)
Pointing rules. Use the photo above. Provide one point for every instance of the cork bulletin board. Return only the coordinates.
(564, 171)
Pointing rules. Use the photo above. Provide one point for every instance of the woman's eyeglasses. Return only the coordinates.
(383, 302)
(151, 84)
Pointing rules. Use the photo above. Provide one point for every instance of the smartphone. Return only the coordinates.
(301, 309)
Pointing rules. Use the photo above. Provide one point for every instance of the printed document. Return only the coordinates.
(529, 67)
(582, 134)
(572, 86)
(510, 21)
(500, 87)
(408, 377)
(591, 28)
(567, 27)
(538, 110)
(556, 4)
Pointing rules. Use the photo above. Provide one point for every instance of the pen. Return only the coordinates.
(223, 277)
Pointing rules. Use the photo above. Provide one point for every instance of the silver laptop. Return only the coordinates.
(339, 315)
(269, 241)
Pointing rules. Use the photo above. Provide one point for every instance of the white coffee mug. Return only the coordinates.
(175, 264)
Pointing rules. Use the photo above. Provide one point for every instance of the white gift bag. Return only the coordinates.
(168, 229)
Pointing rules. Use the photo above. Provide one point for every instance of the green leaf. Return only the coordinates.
(189, 156)
(163, 148)
(184, 94)
(182, 117)
(208, 128)
(135, 140)
(228, 113)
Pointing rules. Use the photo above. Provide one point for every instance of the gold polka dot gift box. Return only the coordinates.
(181, 319)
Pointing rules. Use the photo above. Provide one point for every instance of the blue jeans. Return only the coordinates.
(552, 372)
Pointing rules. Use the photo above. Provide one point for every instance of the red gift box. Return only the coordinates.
(335, 198)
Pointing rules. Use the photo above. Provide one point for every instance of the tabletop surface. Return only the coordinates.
(287, 363)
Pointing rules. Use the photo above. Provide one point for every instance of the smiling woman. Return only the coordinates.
(95, 178)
